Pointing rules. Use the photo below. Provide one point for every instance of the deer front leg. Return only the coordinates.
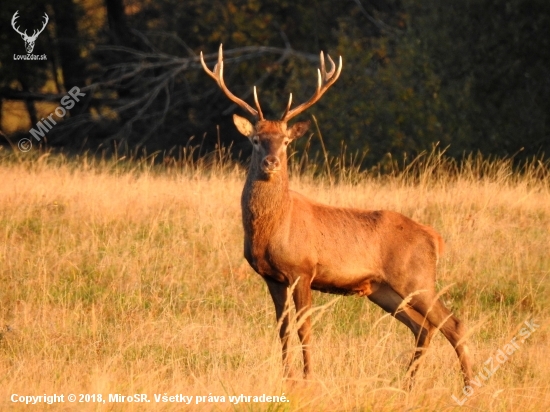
(279, 293)
(302, 302)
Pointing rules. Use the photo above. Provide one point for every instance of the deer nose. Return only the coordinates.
(271, 164)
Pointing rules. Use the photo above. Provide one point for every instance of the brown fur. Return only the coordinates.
(379, 254)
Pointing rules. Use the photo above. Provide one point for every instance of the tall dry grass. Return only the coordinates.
(128, 277)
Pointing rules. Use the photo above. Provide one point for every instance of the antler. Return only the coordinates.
(217, 75)
(15, 17)
(37, 32)
(325, 80)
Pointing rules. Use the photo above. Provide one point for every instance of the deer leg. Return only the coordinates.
(279, 293)
(453, 329)
(389, 300)
(302, 302)
(423, 331)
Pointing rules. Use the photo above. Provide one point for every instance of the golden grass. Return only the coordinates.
(126, 278)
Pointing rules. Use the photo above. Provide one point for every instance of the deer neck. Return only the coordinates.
(264, 201)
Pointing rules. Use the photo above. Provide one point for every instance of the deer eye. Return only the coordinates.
(255, 140)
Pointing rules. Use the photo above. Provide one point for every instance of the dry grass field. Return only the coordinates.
(127, 278)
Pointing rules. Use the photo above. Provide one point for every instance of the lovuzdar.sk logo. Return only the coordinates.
(29, 40)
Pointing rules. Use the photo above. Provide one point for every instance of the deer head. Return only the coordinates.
(270, 138)
(29, 40)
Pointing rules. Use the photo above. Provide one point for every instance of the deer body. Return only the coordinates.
(301, 242)
(292, 241)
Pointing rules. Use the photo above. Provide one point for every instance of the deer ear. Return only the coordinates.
(244, 126)
(298, 129)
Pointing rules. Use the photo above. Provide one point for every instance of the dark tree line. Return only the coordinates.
(473, 75)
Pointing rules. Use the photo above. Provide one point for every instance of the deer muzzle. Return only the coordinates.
(271, 164)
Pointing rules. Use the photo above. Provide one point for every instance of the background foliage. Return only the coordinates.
(471, 75)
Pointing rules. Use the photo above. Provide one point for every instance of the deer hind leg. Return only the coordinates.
(279, 293)
(423, 331)
(453, 329)
(389, 300)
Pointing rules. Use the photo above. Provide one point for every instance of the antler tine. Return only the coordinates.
(287, 107)
(13, 22)
(260, 114)
(47, 19)
(217, 75)
(332, 68)
(219, 64)
(206, 69)
(324, 81)
(323, 70)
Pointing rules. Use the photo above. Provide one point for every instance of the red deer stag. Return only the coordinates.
(289, 239)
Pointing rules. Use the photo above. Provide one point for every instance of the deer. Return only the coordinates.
(29, 40)
(298, 245)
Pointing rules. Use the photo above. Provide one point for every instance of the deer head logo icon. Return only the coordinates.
(29, 40)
